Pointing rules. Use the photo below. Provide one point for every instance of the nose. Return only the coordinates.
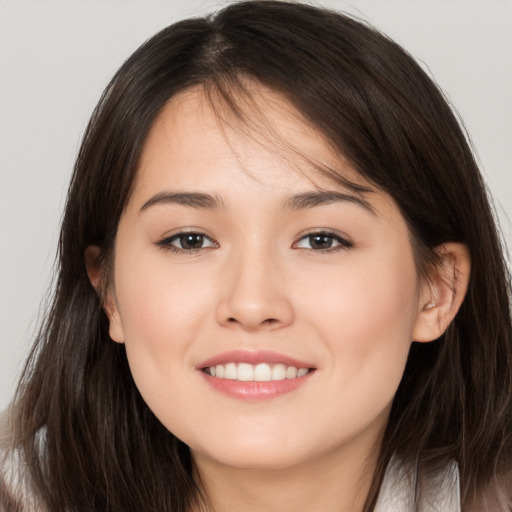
(253, 295)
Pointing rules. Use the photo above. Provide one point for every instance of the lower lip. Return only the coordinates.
(255, 390)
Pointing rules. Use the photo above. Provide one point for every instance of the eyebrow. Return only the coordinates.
(197, 200)
(293, 202)
(324, 197)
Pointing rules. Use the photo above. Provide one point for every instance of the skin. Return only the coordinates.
(258, 283)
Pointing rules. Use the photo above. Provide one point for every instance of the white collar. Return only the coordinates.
(439, 492)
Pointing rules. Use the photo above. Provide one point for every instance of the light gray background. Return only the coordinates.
(57, 56)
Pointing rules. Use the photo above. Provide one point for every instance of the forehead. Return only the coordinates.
(200, 138)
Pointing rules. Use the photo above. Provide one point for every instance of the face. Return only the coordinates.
(267, 312)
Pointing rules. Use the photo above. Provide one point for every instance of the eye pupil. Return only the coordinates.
(320, 241)
(191, 241)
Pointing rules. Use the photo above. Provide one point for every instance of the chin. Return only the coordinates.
(258, 449)
(252, 459)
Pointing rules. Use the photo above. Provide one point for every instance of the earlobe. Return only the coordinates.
(115, 330)
(93, 265)
(442, 296)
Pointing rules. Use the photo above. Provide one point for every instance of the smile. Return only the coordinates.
(261, 372)
(255, 375)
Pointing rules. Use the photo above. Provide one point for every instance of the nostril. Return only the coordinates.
(253, 322)
(269, 321)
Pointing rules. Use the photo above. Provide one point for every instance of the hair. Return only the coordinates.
(389, 120)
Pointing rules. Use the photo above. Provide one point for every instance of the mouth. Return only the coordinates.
(255, 375)
(262, 372)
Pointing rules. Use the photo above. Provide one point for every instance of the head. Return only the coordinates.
(255, 87)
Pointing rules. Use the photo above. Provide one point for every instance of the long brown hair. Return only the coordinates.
(103, 448)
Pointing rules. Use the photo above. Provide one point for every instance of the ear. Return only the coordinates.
(94, 267)
(443, 292)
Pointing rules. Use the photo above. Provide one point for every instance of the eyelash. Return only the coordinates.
(343, 243)
(166, 243)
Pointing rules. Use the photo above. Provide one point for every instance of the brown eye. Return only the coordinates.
(191, 241)
(323, 241)
(186, 242)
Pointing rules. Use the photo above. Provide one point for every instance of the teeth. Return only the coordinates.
(230, 371)
(291, 372)
(279, 372)
(245, 372)
(262, 372)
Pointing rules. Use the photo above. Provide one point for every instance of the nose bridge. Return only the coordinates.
(254, 293)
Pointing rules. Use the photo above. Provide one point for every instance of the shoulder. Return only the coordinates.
(496, 497)
(16, 492)
(405, 488)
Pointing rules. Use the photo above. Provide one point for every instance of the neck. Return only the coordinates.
(335, 482)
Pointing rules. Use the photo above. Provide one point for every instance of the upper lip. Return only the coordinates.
(252, 357)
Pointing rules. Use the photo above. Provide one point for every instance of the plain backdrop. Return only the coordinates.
(57, 56)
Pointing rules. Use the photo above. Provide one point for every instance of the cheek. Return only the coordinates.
(156, 297)
(370, 297)
(366, 326)
(162, 313)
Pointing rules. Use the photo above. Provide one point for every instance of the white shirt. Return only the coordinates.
(439, 492)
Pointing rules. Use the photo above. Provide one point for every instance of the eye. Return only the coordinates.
(323, 241)
(186, 242)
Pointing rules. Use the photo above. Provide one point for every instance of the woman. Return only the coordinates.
(280, 287)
